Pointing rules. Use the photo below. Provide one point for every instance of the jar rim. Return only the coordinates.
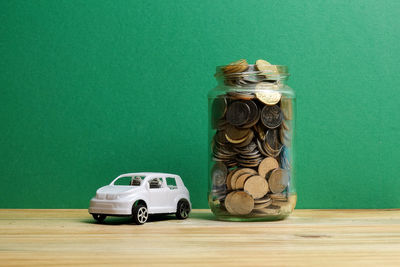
(252, 73)
(273, 72)
(283, 66)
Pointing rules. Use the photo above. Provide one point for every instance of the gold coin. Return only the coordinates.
(241, 203)
(233, 141)
(237, 66)
(263, 205)
(278, 196)
(228, 202)
(247, 141)
(236, 175)
(234, 133)
(228, 179)
(249, 134)
(266, 94)
(278, 180)
(267, 165)
(262, 200)
(256, 186)
(241, 95)
(266, 68)
(241, 180)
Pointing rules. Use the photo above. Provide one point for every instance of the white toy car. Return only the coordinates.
(141, 194)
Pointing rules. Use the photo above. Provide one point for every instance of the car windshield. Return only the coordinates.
(135, 180)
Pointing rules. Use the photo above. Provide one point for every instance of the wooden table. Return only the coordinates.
(308, 237)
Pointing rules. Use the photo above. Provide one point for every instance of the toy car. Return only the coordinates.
(140, 194)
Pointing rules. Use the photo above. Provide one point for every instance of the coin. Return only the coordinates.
(221, 124)
(260, 146)
(256, 186)
(272, 141)
(239, 172)
(264, 199)
(241, 95)
(266, 94)
(271, 116)
(278, 180)
(241, 203)
(238, 113)
(260, 129)
(237, 66)
(251, 75)
(266, 68)
(263, 204)
(228, 202)
(241, 180)
(220, 138)
(250, 148)
(267, 165)
(228, 179)
(221, 151)
(219, 173)
(233, 134)
(278, 196)
(218, 192)
(269, 98)
(246, 141)
(254, 115)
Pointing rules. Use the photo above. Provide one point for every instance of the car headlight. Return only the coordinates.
(100, 196)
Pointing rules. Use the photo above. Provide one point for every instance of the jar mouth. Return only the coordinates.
(250, 73)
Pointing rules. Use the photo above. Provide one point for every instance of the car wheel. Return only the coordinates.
(140, 214)
(99, 217)
(183, 210)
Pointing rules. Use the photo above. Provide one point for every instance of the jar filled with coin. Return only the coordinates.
(251, 127)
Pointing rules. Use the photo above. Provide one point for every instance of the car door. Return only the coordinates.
(159, 195)
(173, 192)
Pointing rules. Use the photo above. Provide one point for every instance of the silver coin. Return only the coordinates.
(219, 173)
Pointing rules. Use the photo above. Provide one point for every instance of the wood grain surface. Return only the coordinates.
(308, 237)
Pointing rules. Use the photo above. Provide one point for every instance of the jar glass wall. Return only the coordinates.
(251, 152)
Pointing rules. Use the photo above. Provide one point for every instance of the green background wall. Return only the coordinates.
(93, 89)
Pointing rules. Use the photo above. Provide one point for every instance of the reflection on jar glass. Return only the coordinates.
(251, 128)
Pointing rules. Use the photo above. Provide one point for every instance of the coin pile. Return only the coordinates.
(242, 73)
(251, 173)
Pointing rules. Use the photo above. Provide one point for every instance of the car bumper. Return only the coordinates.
(109, 207)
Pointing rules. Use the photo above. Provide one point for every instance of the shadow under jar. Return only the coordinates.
(251, 128)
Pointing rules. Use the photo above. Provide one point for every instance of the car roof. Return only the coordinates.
(148, 174)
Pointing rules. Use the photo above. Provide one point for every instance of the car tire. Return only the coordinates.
(99, 217)
(183, 210)
(140, 214)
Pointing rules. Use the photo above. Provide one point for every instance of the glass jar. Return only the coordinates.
(251, 129)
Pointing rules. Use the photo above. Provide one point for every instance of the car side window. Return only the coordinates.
(171, 183)
(156, 183)
(136, 181)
